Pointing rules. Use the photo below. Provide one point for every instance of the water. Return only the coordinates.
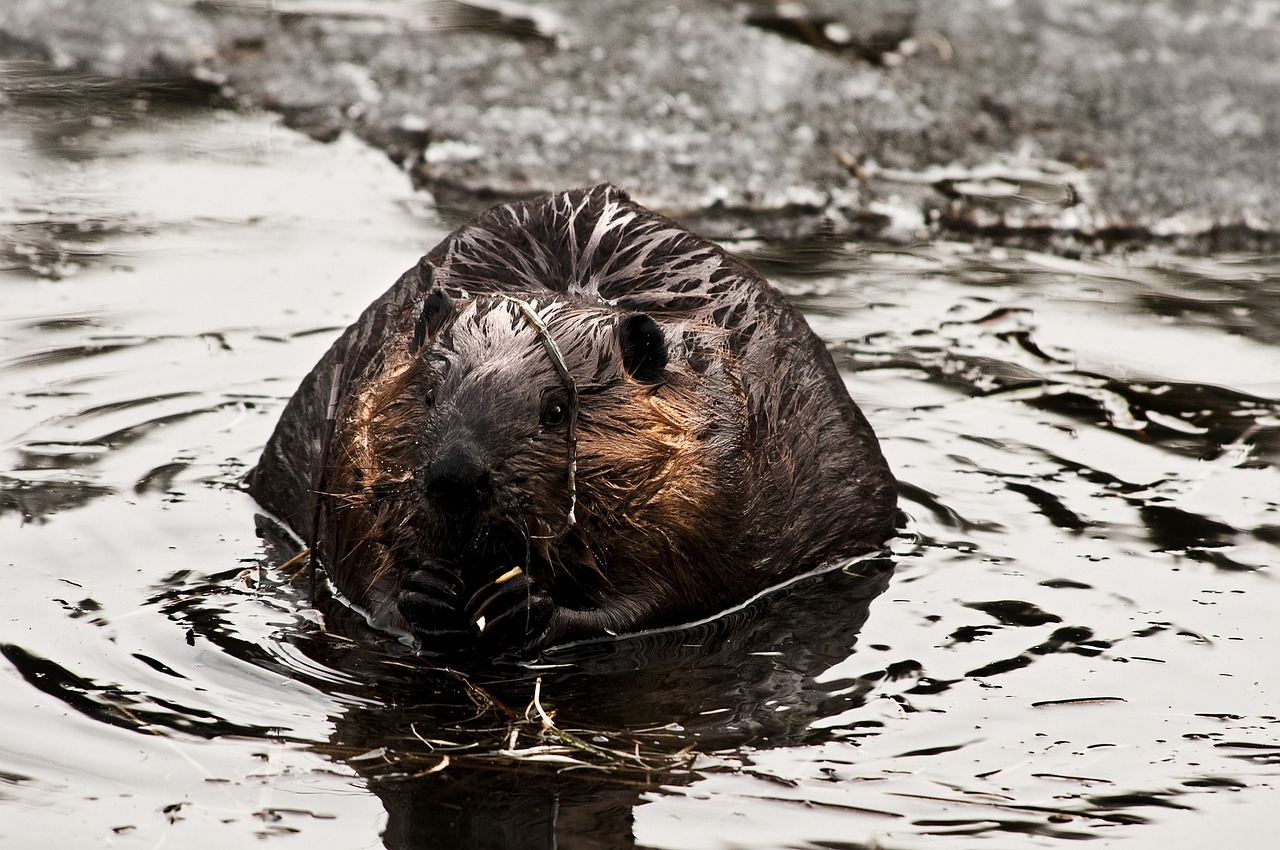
(1075, 636)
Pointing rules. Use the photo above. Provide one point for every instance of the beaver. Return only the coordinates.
(573, 418)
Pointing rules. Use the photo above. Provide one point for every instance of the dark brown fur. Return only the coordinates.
(717, 450)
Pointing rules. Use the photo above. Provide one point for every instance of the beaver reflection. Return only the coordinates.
(759, 664)
(520, 811)
(573, 418)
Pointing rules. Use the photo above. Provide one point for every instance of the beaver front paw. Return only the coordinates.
(429, 602)
(513, 615)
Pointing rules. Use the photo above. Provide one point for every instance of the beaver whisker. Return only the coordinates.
(348, 501)
(476, 544)
(528, 545)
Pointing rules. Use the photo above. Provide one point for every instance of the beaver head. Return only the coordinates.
(564, 439)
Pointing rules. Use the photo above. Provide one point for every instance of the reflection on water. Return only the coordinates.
(1072, 639)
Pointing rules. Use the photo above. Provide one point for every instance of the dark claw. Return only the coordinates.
(428, 594)
(484, 599)
(516, 613)
(429, 602)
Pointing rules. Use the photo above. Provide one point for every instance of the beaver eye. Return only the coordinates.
(430, 398)
(554, 412)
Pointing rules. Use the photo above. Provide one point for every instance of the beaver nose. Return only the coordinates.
(458, 483)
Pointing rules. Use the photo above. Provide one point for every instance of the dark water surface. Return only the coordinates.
(1076, 637)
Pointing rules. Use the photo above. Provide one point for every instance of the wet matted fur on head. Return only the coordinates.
(572, 418)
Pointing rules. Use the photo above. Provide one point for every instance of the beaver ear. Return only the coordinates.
(644, 348)
(436, 308)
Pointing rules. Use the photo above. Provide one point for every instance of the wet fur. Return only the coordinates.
(742, 464)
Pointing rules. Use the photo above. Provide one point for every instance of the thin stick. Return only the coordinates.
(294, 561)
(571, 390)
(567, 738)
(321, 479)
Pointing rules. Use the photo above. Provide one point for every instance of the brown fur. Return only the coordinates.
(654, 475)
